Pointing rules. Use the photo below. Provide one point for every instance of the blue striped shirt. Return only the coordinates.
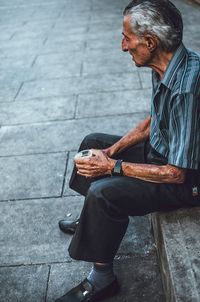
(175, 110)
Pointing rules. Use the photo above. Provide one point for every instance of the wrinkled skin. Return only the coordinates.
(94, 166)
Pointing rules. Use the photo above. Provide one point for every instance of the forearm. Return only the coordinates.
(152, 173)
(136, 135)
(101, 164)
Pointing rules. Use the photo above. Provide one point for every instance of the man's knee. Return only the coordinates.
(101, 191)
(100, 196)
(93, 193)
(90, 141)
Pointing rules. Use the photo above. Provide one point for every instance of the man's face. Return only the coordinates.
(135, 45)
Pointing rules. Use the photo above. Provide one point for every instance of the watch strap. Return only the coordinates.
(117, 170)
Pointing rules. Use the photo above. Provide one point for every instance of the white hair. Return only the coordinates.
(147, 18)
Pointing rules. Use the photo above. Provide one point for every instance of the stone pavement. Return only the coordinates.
(61, 68)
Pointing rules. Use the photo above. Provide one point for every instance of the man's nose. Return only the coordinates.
(124, 45)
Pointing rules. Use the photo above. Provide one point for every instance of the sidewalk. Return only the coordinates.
(64, 76)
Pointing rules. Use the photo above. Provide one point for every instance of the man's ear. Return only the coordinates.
(151, 42)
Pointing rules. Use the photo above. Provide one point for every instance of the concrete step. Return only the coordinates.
(177, 237)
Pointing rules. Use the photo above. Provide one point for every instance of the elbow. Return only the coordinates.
(177, 175)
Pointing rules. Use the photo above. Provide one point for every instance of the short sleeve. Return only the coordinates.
(184, 142)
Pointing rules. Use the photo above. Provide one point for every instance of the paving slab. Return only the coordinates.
(14, 18)
(96, 63)
(68, 19)
(106, 14)
(62, 28)
(36, 26)
(19, 63)
(52, 38)
(32, 176)
(114, 43)
(80, 26)
(86, 84)
(9, 27)
(61, 47)
(9, 90)
(60, 136)
(100, 104)
(38, 35)
(138, 276)
(26, 283)
(56, 65)
(22, 48)
(16, 12)
(27, 41)
(60, 58)
(46, 12)
(70, 64)
(30, 232)
(138, 239)
(51, 71)
(8, 22)
(117, 4)
(107, 26)
(39, 110)
(70, 12)
(71, 9)
(6, 35)
(25, 4)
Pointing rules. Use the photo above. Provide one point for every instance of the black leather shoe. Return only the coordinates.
(67, 226)
(85, 292)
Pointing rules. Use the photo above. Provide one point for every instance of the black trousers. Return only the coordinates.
(109, 201)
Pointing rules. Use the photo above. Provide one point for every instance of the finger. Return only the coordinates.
(85, 171)
(82, 165)
(85, 164)
(86, 167)
(90, 172)
(82, 160)
(83, 168)
(84, 174)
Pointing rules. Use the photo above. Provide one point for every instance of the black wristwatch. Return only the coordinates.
(117, 170)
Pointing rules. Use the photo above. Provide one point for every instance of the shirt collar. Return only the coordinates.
(172, 67)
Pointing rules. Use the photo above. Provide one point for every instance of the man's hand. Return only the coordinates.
(94, 166)
(108, 151)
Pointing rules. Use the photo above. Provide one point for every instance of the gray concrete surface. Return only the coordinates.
(61, 68)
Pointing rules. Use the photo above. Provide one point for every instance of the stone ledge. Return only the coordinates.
(177, 237)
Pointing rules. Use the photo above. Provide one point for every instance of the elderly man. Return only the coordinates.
(152, 168)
